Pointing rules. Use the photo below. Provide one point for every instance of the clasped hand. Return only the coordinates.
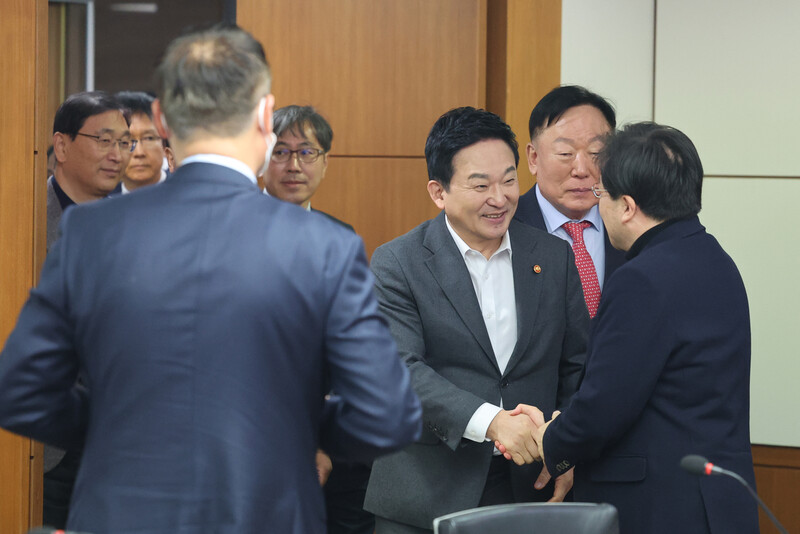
(519, 434)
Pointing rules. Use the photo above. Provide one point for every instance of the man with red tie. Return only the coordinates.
(567, 129)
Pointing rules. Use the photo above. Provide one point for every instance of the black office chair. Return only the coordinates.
(531, 518)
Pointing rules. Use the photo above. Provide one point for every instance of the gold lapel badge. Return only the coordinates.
(537, 269)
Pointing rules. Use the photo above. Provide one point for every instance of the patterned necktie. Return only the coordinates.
(586, 270)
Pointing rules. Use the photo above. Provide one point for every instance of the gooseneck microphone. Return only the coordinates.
(697, 465)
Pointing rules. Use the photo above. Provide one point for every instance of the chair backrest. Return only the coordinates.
(531, 518)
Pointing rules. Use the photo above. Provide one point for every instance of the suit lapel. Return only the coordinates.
(527, 291)
(450, 272)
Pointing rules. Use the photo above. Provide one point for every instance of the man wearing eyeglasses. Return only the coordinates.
(297, 167)
(205, 315)
(146, 165)
(300, 157)
(92, 146)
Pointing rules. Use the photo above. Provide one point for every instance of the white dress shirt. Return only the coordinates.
(225, 161)
(493, 281)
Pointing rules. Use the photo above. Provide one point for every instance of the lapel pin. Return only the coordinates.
(537, 269)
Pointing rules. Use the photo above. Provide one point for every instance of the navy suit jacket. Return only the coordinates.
(529, 212)
(201, 313)
(668, 374)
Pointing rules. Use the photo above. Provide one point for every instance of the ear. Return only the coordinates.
(629, 209)
(159, 120)
(533, 158)
(324, 165)
(60, 145)
(170, 158)
(437, 192)
(265, 109)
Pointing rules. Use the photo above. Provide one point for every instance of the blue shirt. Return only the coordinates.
(593, 237)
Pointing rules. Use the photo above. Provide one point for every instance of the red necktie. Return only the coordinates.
(591, 287)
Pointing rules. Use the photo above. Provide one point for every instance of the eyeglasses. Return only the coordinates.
(106, 143)
(148, 142)
(597, 191)
(306, 155)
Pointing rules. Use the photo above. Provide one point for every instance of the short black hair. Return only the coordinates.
(560, 100)
(136, 102)
(458, 129)
(295, 119)
(658, 166)
(73, 112)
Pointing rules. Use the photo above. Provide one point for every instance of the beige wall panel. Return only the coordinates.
(381, 197)
(727, 74)
(381, 71)
(608, 47)
(755, 221)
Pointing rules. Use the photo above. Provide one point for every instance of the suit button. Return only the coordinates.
(504, 383)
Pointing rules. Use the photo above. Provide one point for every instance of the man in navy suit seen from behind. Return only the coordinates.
(567, 128)
(202, 314)
(668, 370)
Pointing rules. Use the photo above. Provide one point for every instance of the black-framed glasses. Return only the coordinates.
(306, 155)
(106, 142)
(597, 191)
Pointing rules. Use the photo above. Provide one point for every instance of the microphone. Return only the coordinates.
(698, 465)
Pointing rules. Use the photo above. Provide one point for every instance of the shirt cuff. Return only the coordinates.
(480, 421)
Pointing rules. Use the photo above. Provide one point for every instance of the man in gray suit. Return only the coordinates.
(91, 146)
(481, 329)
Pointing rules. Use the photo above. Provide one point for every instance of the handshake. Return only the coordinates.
(518, 433)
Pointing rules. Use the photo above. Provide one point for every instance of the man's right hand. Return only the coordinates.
(516, 435)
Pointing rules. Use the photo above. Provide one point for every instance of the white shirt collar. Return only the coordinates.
(463, 248)
(225, 161)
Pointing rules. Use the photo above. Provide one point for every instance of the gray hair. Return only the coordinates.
(211, 81)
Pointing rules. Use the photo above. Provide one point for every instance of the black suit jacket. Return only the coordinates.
(529, 212)
(668, 374)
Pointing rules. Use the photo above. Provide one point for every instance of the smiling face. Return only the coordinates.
(86, 171)
(293, 180)
(147, 158)
(482, 196)
(563, 157)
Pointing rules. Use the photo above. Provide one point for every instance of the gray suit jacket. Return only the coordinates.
(425, 291)
(52, 455)
(53, 213)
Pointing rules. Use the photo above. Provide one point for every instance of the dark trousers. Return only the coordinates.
(344, 499)
(58, 484)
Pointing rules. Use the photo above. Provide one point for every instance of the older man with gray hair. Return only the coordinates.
(204, 315)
